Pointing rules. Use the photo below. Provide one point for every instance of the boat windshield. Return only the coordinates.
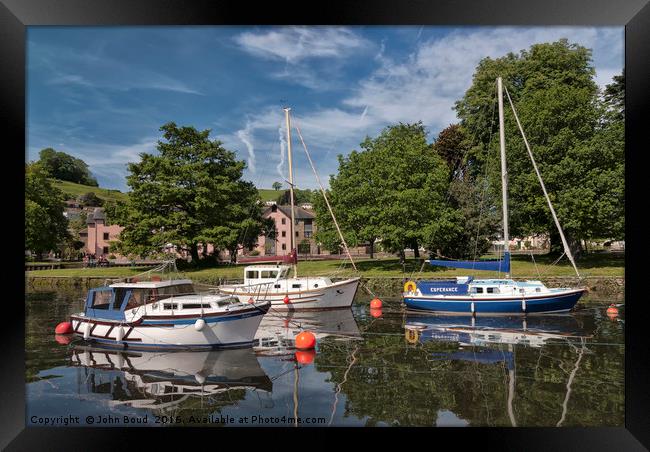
(143, 296)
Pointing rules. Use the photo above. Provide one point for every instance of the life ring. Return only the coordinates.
(410, 286)
(411, 336)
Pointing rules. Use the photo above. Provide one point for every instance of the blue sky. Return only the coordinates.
(102, 93)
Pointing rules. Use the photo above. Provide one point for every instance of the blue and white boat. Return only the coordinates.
(494, 296)
(166, 315)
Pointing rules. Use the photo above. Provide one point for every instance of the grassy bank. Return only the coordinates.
(74, 190)
(597, 264)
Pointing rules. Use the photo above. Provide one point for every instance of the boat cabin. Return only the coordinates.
(110, 302)
(261, 274)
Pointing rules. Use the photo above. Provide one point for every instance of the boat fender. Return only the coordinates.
(199, 324)
(119, 335)
(410, 286)
(200, 379)
(523, 305)
(87, 331)
(471, 307)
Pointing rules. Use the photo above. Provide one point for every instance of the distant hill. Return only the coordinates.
(268, 194)
(74, 190)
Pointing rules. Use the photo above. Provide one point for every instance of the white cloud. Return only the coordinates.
(245, 136)
(293, 44)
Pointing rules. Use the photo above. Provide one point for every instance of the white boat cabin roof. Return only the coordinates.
(275, 267)
(153, 284)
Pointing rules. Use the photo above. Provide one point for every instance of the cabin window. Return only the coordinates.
(295, 286)
(478, 290)
(170, 306)
(196, 306)
(492, 290)
(269, 274)
(251, 274)
(227, 301)
(277, 286)
(102, 299)
(537, 289)
(315, 285)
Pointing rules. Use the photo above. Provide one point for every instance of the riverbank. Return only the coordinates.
(600, 287)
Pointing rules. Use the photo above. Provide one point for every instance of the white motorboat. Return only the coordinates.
(166, 314)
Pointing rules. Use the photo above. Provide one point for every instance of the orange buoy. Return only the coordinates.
(375, 303)
(612, 310)
(62, 339)
(286, 299)
(376, 312)
(63, 328)
(305, 357)
(305, 340)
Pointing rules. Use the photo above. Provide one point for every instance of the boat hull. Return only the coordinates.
(338, 295)
(560, 301)
(221, 330)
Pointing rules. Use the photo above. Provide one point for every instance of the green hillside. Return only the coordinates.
(74, 190)
(268, 194)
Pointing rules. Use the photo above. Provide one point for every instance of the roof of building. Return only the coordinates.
(97, 214)
(299, 212)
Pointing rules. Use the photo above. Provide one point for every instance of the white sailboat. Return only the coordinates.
(273, 283)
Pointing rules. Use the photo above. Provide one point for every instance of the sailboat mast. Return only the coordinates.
(293, 220)
(504, 171)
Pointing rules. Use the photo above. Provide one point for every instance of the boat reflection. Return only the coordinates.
(533, 331)
(278, 329)
(164, 380)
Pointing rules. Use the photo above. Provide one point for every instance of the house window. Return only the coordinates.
(296, 233)
(284, 221)
(284, 246)
(284, 233)
(105, 250)
(307, 234)
(105, 235)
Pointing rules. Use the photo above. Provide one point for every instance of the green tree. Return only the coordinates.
(190, 193)
(299, 196)
(66, 167)
(90, 199)
(553, 88)
(45, 225)
(394, 190)
(469, 223)
(276, 186)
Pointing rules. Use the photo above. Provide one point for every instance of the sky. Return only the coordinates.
(102, 93)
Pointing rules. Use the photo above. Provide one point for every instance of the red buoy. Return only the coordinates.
(612, 310)
(305, 340)
(376, 313)
(375, 303)
(62, 339)
(286, 299)
(63, 328)
(305, 357)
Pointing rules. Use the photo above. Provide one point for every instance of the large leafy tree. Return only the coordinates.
(553, 88)
(191, 193)
(66, 167)
(468, 200)
(394, 189)
(45, 225)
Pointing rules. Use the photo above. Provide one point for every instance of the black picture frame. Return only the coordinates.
(16, 15)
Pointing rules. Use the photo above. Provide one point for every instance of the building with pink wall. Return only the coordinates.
(97, 235)
(304, 230)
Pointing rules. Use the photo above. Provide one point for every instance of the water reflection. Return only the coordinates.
(164, 381)
(367, 370)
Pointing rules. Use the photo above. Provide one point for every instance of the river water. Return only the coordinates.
(370, 368)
